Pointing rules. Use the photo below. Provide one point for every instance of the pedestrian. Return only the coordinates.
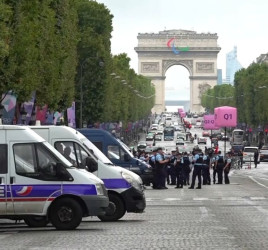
(219, 167)
(227, 168)
(240, 155)
(198, 162)
(160, 164)
(256, 156)
(186, 169)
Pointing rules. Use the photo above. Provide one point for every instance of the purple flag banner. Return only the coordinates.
(27, 108)
(71, 116)
(9, 103)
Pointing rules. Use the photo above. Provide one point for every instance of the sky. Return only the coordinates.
(241, 23)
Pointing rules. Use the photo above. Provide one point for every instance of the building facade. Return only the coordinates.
(232, 65)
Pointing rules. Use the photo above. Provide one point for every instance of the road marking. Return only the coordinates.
(253, 198)
(200, 199)
(257, 182)
(257, 198)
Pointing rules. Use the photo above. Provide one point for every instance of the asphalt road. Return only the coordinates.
(218, 217)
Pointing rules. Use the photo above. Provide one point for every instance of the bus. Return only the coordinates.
(169, 133)
(237, 137)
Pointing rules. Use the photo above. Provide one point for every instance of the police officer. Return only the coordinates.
(227, 168)
(179, 171)
(219, 167)
(160, 164)
(152, 163)
(171, 168)
(206, 170)
(198, 162)
(186, 169)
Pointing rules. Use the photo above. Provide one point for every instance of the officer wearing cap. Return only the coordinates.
(205, 170)
(171, 174)
(198, 163)
(160, 164)
(152, 163)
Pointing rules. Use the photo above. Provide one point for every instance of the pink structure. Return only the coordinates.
(209, 122)
(225, 116)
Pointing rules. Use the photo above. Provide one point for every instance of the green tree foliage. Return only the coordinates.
(129, 97)
(42, 50)
(94, 52)
(219, 95)
(251, 94)
(5, 19)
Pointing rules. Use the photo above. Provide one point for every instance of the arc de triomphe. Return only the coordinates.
(197, 52)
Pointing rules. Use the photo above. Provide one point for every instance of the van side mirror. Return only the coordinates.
(91, 165)
(126, 157)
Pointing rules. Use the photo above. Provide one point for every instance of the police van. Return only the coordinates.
(38, 185)
(125, 189)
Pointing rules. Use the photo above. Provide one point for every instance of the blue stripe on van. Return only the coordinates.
(116, 183)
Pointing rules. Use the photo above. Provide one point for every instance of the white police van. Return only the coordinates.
(38, 185)
(125, 188)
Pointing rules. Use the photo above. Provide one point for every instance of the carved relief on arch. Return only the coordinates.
(188, 64)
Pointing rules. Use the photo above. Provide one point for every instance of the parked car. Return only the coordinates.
(158, 137)
(179, 142)
(205, 134)
(141, 145)
(149, 137)
(201, 140)
(264, 153)
(225, 138)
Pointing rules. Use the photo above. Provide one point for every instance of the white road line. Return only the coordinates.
(200, 199)
(257, 198)
(172, 199)
(257, 182)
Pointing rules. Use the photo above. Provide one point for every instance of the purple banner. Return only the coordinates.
(26, 110)
(41, 113)
(71, 116)
(9, 106)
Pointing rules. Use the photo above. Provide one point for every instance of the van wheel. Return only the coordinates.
(66, 214)
(116, 209)
(36, 221)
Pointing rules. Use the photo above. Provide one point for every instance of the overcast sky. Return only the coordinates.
(241, 23)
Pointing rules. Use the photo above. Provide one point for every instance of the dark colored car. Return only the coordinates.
(158, 137)
(225, 138)
(264, 153)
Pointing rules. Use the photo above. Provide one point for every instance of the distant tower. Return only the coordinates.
(232, 65)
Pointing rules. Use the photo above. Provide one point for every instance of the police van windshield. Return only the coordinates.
(90, 146)
(252, 150)
(126, 148)
(58, 154)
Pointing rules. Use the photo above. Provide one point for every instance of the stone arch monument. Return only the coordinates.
(197, 52)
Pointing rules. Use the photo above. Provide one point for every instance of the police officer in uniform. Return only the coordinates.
(171, 169)
(186, 169)
(160, 164)
(152, 164)
(219, 167)
(179, 171)
(226, 169)
(206, 170)
(198, 163)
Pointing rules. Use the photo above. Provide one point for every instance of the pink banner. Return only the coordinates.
(41, 113)
(209, 123)
(225, 116)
